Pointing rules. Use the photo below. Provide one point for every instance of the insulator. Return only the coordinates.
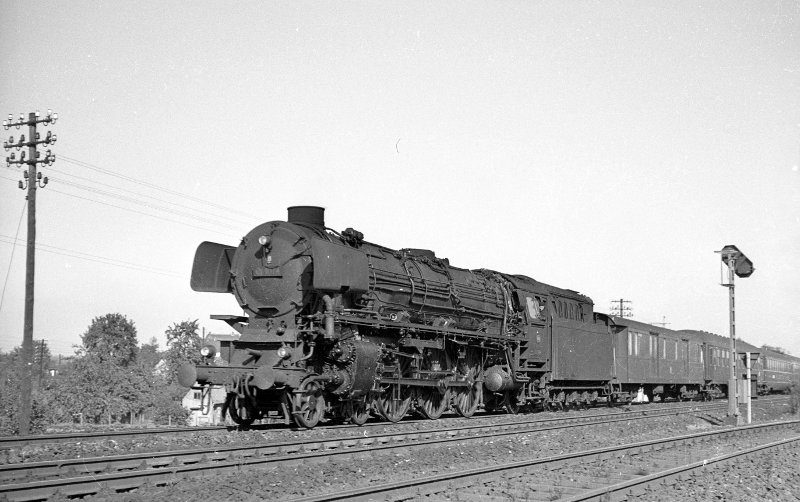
(19, 184)
(25, 174)
(38, 136)
(39, 175)
(38, 153)
(22, 155)
(45, 182)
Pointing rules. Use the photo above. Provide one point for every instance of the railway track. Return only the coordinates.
(43, 439)
(613, 473)
(88, 476)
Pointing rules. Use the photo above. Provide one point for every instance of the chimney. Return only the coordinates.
(307, 215)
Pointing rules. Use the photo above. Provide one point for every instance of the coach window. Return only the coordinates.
(630, 343)
(701, 354)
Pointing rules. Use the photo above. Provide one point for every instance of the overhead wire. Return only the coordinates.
(151, 185)
(93, 258)
(11, 259)
(50, 189)
(138, 194)
(139, 202)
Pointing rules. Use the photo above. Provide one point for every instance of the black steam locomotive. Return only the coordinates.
(336, 326)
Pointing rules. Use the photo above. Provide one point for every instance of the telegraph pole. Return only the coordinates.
(32, 179)
(622, 310)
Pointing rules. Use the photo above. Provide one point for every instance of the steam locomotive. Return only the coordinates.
(337, 327)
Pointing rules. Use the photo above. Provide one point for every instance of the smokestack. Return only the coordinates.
(307, 215)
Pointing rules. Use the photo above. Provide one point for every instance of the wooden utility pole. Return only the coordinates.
(622, 310)
(32, 179)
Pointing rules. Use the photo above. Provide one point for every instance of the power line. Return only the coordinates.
(128, 199)
(139, 194)
(130, 210)
(11, 260)
(138, 212)
(141, 203)
(152, 185)
(95, 258)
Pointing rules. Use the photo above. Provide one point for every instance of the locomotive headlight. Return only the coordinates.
(283, 352)
(208, 351)
(263, 240)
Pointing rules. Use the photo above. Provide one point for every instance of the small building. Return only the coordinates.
(206, 409)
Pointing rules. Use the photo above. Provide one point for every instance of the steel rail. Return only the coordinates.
(445, 482)
(145, 460)
(38, 439)
(9, 441)
(100, 473)
(640, 484)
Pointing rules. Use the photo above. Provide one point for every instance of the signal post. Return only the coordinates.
(738, 264)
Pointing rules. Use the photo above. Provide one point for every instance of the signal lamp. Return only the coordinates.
(208, 351)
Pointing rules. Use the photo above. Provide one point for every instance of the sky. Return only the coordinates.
(605, 147)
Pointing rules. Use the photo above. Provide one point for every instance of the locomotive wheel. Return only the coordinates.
(431, 402)
(467, 399)
(308, 405)
(394, 402)
(240, 409)
(357, 411)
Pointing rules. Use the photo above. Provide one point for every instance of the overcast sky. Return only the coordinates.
(605, 147)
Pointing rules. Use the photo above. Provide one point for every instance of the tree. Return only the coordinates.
(149, 354)
(183, 345)
(111, 337)
(11, 367)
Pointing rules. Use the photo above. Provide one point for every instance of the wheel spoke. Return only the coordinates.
(432, 403)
